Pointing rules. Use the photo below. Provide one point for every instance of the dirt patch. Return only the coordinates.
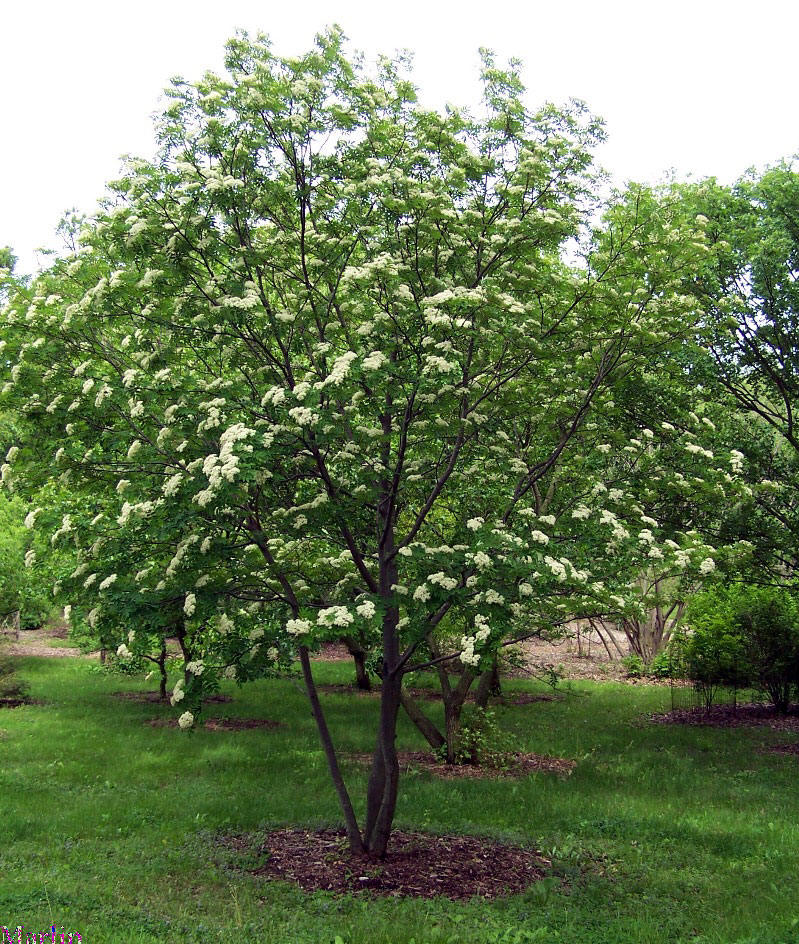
(155, 698)
(333, 652)
(418, 865)
(47, 652)
(732, 716)
(336, 688)
(430, 694)
(520, 765)
(522, 698)
(221, 724)
(17, 701)
(783, 749)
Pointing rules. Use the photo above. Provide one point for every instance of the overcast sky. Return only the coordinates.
(706, 87)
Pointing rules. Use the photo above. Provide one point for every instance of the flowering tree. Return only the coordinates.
(323, 350)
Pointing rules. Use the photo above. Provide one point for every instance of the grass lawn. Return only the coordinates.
(661, 834)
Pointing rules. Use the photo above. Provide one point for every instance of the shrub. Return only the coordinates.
(767, 619)
(744, 636)
(670, 662)
(715, 652)
(634, 666)
(482, 742)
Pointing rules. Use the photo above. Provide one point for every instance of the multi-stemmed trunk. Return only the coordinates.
(381, 796)
(358, 652)
(446, 743)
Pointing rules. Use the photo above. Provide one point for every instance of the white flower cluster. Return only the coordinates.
(298, 627)
(66, 527)
(303, 416)
(374, 361)
(340, 369)
(443, 581)
(468, 656)
(137, 508)
(186, 720)
(698, 450)
(736, 461)
(123, 652)
(225, 624)
(707, 566)
(225, 466)
(172, 484)
(190, 604)
(177, 693)
(196, 668)
(474, 524)
(335, 616)
(557, 567)
(619, 531)
(481, 560)
(367, 609)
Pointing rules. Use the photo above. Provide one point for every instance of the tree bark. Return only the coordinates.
(431, 734)
(162, 669)
(358, 653)
(381, 798)
(351, 824)
(488, 685)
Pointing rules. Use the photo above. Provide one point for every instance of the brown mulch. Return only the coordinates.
(221, 724)
(155, 697)
(417, 865)
(783, 749)
(524, 698)
(732, 716)
(521, 765)
(16, 701)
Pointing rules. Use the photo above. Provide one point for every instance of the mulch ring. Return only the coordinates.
(430, 694)
(792, 749)
(417, 865)
(732, 716)
(155, 697)
(520, 765)
(16, 701)
(221, 724)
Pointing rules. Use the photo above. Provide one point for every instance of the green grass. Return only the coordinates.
(662, 834)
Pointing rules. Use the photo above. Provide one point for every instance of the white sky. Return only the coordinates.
(706, 87)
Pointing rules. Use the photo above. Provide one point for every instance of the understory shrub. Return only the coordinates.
(481, 741)
(744, 636)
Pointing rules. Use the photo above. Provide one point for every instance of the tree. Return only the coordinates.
(750, 301)
(330, 340)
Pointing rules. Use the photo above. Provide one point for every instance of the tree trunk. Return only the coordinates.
(381, 797)
(358, 653)
(432, 735)
(489, 685)
(180, 634)
(351, 824)
(162, 669)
